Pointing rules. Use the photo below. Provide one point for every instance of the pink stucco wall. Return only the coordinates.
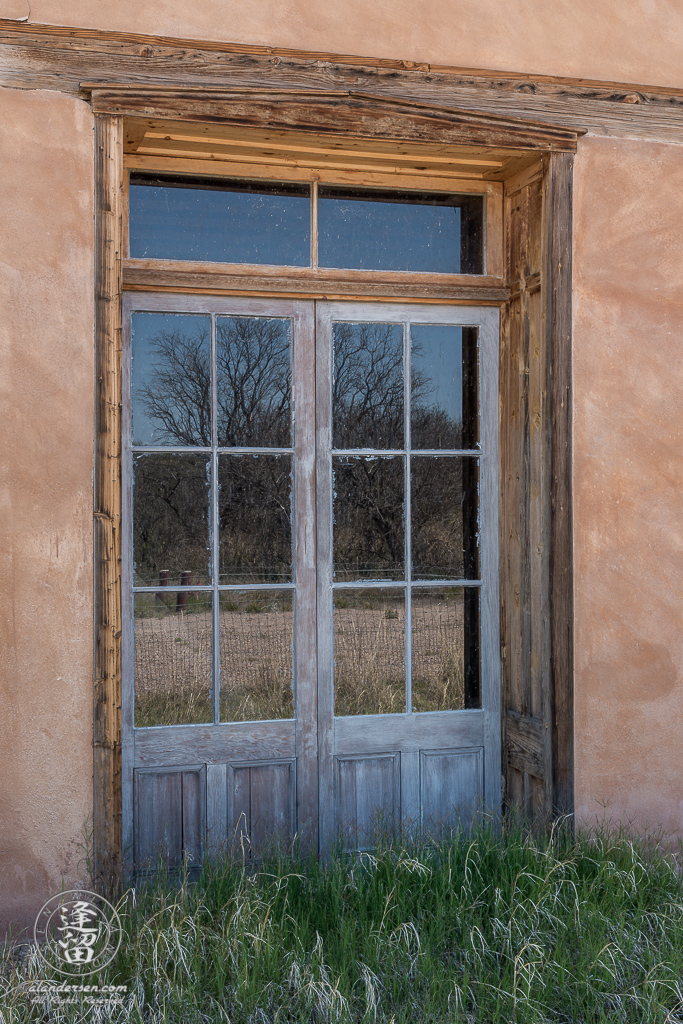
(628, 404)
(46, 410)
(628, 482)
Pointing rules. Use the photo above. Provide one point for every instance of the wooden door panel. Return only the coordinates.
(368, 797)
(261, 804)
(451, 788)
(170, 816)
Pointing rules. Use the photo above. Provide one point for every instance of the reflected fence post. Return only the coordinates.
(181, 597)
(163, 582)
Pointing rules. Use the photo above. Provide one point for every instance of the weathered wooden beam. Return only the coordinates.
(219, 279)
(558, 313)
(338, 112)
(50, 57)
(107, 502)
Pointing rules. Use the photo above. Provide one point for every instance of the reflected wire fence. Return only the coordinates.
(173, 655)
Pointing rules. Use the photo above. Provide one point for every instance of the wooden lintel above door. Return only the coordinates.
(353, 125)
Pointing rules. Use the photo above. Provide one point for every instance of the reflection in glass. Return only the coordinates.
(445, 649)
(367, 389)
(256, 655)
(443, 386)
(224, 222)
(172, 660)
(428, 232)
(368, 530)
(171, 519)
(254, 518)
(369, 652)
(254, 382)
(171, 379)
(444, 503)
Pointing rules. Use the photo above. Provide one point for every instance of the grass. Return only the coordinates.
(491, 926)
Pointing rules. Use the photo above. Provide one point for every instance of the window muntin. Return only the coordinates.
(305, 225)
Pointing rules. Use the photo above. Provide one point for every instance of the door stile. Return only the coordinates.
(305, 575)
(490, 607)
(323, 456)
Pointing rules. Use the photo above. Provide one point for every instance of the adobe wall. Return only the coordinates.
(636, 41)
(46, 555)
(628, 415)
(628, 482)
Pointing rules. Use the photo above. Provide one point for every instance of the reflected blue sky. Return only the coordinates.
(271, 225)
(436, 355)
(180, 382)
(368, 235)
(220, 226)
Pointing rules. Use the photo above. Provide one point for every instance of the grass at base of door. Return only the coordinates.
(489, 926)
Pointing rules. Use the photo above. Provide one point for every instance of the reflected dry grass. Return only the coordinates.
(173, 658)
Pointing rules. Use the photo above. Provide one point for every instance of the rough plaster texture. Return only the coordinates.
(628, 481)
(46, 403)
(637, 41)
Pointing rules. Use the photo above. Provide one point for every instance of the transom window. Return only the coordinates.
(305, 225)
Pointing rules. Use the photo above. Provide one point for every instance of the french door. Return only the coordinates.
(310, 572)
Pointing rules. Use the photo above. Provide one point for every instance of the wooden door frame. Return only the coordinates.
(355, 115)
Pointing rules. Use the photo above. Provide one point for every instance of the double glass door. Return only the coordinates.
(310, 572)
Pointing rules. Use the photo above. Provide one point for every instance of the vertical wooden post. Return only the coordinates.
(107, 503)
(558, 312)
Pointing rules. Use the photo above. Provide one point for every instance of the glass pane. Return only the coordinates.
(369, 652)
(368, 530)
(257, 649)
(369, 229)
(171, 379)
(443, 387)
(445, 649)
(172, 660)
(444, 504)
(223, 222)
(171, 519)
(254, 382)
(367, 390)
(255, 530)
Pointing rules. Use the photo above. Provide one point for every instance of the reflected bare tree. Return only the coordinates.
(177, 394)
(253, 386)
(254, 382)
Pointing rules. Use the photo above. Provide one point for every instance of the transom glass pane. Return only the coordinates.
(425, 232)
(222, 222)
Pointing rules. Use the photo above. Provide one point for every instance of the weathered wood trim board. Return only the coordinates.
(51, 57)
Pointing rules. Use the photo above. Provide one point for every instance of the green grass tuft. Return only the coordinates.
(491, 926)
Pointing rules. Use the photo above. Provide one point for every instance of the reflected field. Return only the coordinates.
(174, 655)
